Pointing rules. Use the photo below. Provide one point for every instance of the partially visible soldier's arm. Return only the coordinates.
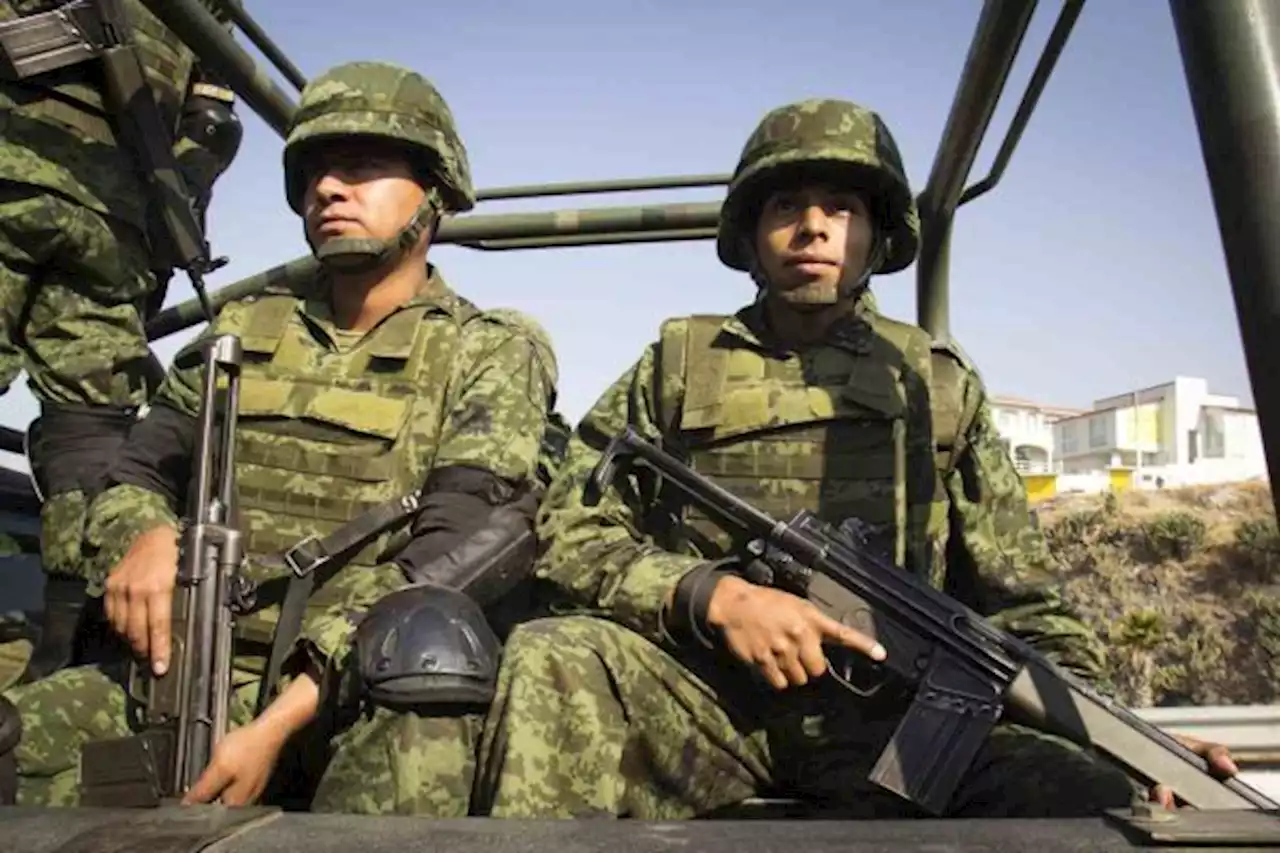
(146, 487)
(489, 446)
(998, 563)
(598, 556)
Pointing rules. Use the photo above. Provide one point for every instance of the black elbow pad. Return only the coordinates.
(214, 126)
(486, 563)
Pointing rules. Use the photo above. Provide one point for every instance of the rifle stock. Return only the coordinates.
(967, 674)
(177, 235)
(186, 708)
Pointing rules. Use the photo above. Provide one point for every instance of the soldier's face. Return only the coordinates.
(359, 189)
(810, 240)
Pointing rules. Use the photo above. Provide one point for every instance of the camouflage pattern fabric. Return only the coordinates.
(72, 285)
(56, 133)
(477, 389)
(603, 558)
(611, 559)
(384, 763)
(67, 709)
(390, 762)
(14, 654)
(75, 267)
(489, 389)
(595, 720)
(820, 137)
(387, 101)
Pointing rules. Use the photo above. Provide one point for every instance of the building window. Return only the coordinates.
(1215, 436)
(1097, 431)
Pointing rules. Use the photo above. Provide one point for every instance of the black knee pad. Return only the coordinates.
(427, 645)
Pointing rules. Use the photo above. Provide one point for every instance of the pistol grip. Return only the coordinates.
(937, 740)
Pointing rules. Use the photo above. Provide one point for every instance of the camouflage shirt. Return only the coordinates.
(602, 558)
(501, 380)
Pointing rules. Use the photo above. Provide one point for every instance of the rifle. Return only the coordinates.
(186, 709)
(84, 30)
(966, 672)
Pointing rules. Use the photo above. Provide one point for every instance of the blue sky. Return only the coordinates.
(1093, 269)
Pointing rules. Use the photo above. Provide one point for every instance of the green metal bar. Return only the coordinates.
(598, 220)
(1035, 88)
(610, 239)
(1230, 58)
(253, 31)
(585, 187)
(997, 37)
(216, 47)
(558, 228)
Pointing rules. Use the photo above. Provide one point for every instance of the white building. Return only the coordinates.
(1026, 427)
(1178, 432)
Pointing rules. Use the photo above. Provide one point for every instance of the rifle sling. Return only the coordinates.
(309, 557)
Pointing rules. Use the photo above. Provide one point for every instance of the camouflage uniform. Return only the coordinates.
(331, 423)
(617, 706)
(77, 272)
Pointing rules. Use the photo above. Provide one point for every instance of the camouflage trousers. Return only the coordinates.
(593, 719)
(382, 762)
(402, 762)
(73, 286)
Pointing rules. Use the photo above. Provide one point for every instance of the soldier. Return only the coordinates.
(683, 688)
(358, 388)
(81, 268)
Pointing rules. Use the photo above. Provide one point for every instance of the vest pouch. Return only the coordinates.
(785, 444)
(311, 457)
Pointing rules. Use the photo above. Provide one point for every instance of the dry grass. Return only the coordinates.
(1185, 586)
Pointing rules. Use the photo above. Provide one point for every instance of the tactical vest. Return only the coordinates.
(324, 436)
(831, 431)
(78, 102)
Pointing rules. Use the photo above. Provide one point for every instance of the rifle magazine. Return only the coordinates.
(127, 772)
(937, 740)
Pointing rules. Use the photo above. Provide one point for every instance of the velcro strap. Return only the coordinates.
(217, 93)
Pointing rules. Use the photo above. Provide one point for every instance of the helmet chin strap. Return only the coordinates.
(875, 257)
(354, 255)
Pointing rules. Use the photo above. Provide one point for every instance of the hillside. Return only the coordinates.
(1183, 583)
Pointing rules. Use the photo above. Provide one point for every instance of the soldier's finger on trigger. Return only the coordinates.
(855, 640)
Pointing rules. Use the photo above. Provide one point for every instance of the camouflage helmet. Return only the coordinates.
(383, 100)
(840, 138)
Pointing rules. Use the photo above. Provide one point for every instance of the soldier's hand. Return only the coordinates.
(241, 765)
(1221, 766)
(779, 633)
(139, 595)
